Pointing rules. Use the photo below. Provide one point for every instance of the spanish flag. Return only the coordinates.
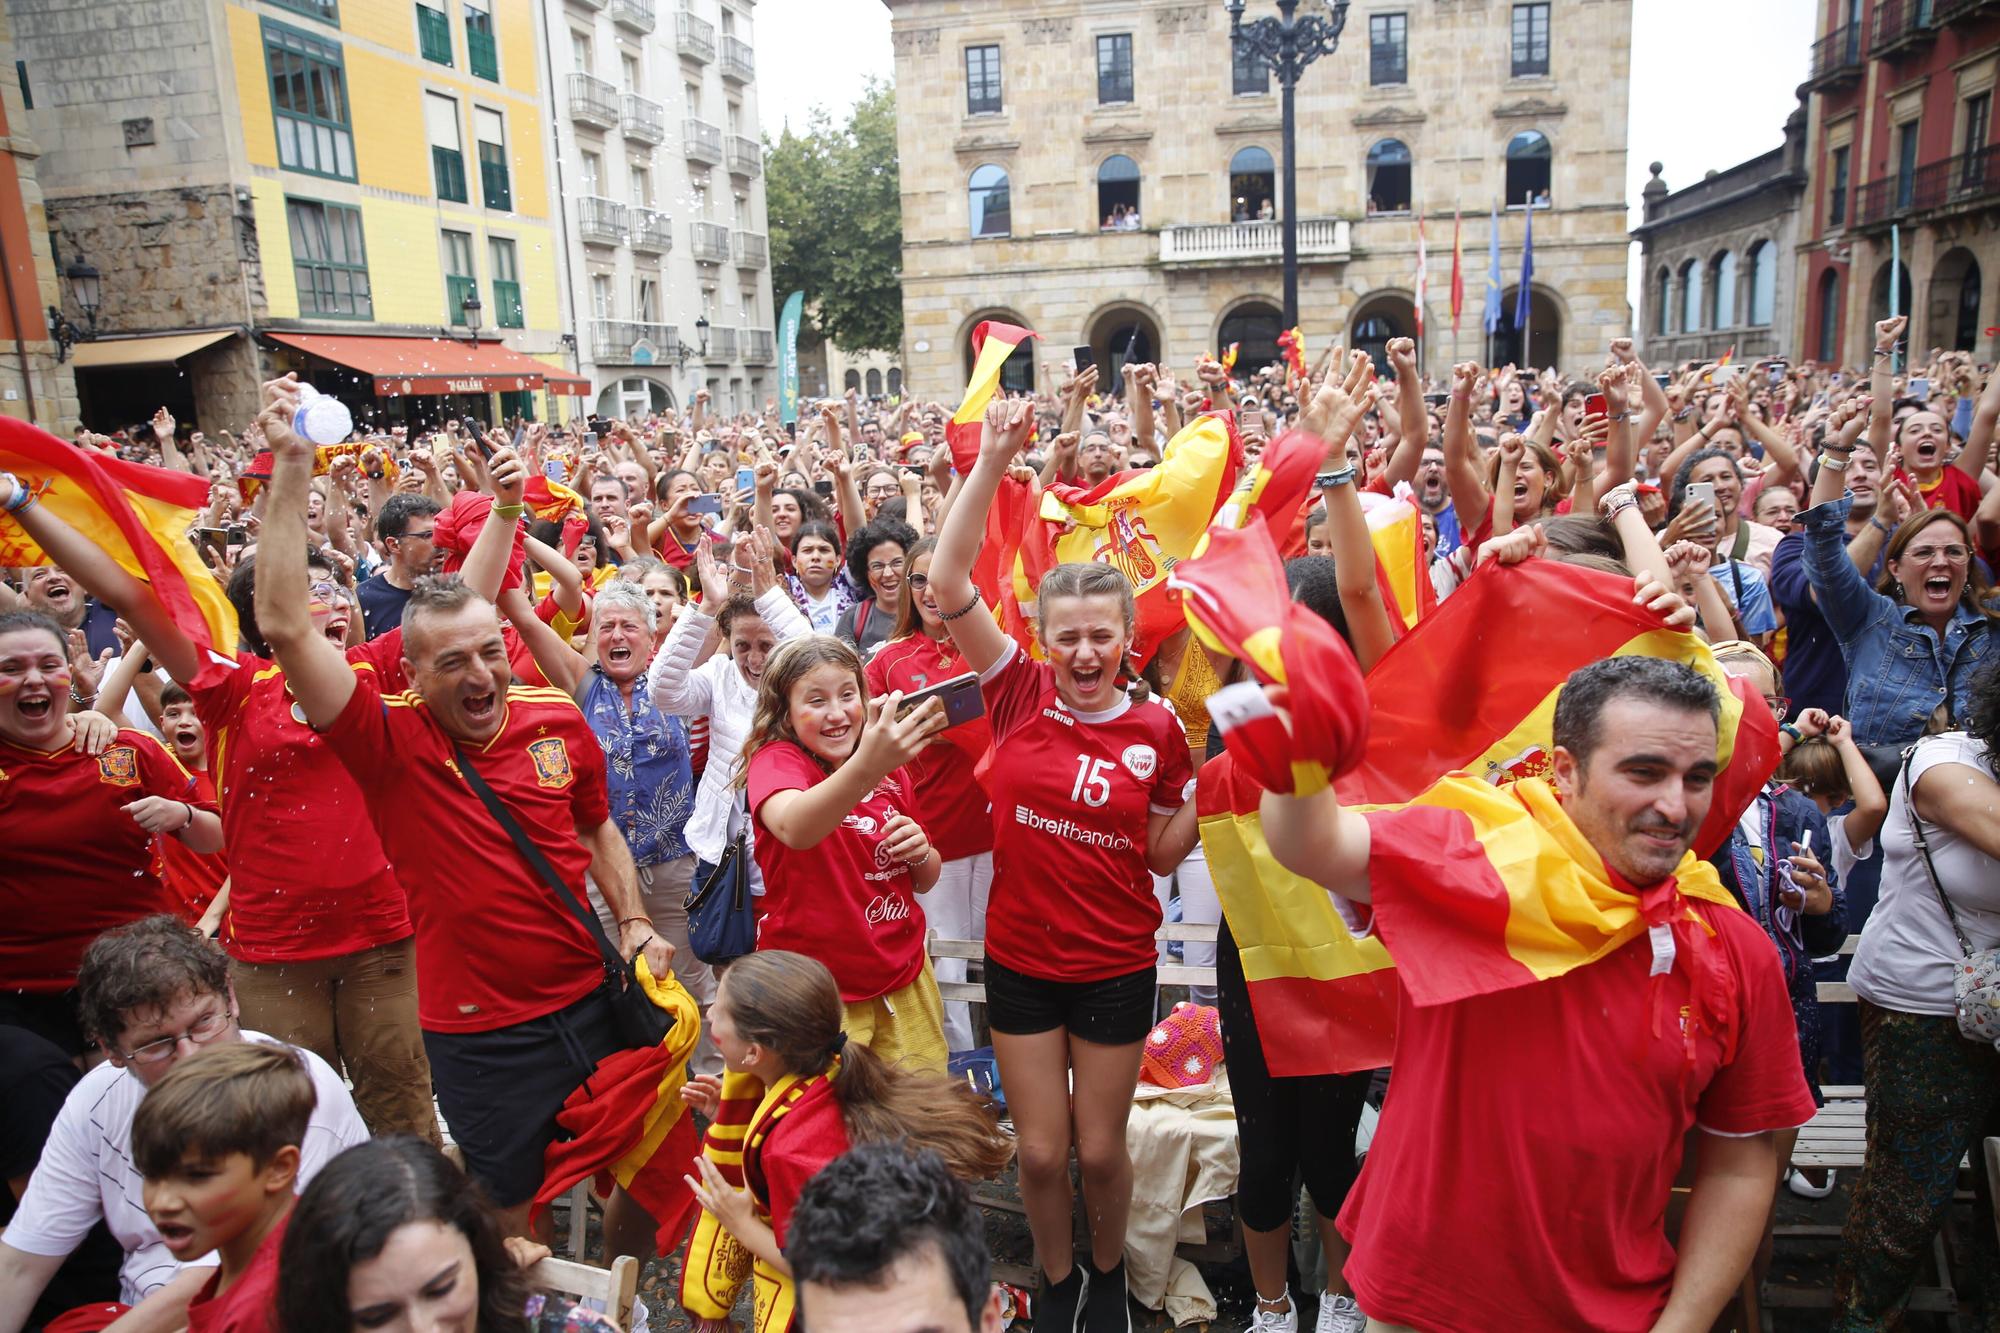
(139, 516)
(630, 1125)
(1397, 533)
(1293, 344)
(1144, 522)
(253, 477)
(551, 501)
(992, 343)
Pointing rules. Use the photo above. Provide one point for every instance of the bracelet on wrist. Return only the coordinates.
(509, 511)
(79, 700)
(1618, 416)
(1342, 476)
(187, 823)
(966, 610)
(625, 921)
(1786, 728)
(1875, 522)
(24, 494)
(1834, 463)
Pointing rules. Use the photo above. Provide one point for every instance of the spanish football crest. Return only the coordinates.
(551, 762)
(119, 766)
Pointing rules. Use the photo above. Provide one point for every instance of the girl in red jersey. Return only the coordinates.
(843, 860)
(1092, 791)
(950, 801)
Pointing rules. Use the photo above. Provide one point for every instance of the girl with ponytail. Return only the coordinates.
(798, 1094)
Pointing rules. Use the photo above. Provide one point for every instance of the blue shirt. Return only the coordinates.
(646, 765)
(1898, 668)
(1750, 593)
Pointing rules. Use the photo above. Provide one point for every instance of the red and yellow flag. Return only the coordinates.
(1396, 531)
(138, 515)
(1293, 344)
(630, 1125)
(551, 501)
(992, 343)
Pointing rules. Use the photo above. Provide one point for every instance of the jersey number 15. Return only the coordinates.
(1093, 780)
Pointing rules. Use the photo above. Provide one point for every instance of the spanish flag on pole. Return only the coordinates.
(139, 516)
(992, 344)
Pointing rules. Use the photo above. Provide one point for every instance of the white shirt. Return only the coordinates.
(86, 1172)
(1908, 952)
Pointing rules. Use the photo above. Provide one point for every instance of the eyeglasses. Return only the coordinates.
(202, 1031)
(1781, 704)
(878, 567)
(1923, 555)
(918, 582)
(423, 536)
(328, 594)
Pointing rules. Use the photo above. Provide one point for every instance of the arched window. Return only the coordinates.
(1371, 335)
(851, 380)
(991, 209)
(1528, 169)
(1118, 194)
(874, 384)
(1662, 288)
(1829, 316)
(1253, 185)
(895, 381)
(1254, 328)
(1763, 286)
(1691, 297)
(1722, 291)
(1389, 177)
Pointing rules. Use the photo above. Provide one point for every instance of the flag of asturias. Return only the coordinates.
(138, 515)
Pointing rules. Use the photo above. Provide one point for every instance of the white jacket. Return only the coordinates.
(717, 691)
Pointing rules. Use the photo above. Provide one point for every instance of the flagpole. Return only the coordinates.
(1527, 302)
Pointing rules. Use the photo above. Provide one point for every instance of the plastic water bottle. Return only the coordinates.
(321, 419)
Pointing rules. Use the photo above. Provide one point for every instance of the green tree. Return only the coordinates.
(835, 207)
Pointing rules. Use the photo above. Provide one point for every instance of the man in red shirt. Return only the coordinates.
(509, 982)
(77, 826)
(1520, 1173)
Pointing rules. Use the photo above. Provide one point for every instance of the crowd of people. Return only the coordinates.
(315, 935)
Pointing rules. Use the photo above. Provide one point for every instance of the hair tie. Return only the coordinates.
(838, 1044)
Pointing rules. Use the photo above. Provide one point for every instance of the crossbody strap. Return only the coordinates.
(614, 963)
(1924, 850)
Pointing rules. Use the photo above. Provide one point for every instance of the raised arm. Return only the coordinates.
(1140, 385)
(1620, 386)
(966, 615)
(1461, 467)
(1412, 420)
(562, 664)
(1979, 440)
(1882, 385)
(1314, 837)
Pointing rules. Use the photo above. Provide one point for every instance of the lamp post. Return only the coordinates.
(701, 332)
(86, 289)
(1286, 45)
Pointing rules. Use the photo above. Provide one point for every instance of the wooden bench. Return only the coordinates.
(614, 1287)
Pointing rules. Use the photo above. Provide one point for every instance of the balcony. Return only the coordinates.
(588, 4)
(593, 101)
(1253, 242)
(1952, 11)
(1951, 185)
(619, 342)
(600, 221)
(1901, 26)
(721, 343)
(644, 120)
(1836, 57)
(709, 242)
(760, 348)
(746, 157)
(739, 63)
(701, 141)
(694, 37)
(652, 232)
(752, 250)
(634, 14)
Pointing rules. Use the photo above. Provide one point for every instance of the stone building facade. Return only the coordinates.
(36, 384)
(1029, 130)
(1901, 129)
(1717, 256)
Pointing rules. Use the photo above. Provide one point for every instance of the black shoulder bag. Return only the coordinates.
(639, 1021)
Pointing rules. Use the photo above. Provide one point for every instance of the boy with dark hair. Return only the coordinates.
(405, 527)
(884, 1240)
(218, 1142)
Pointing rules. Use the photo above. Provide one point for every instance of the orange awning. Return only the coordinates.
(402, 366)
(565, 385)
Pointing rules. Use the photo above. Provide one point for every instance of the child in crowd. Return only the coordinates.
(1829, 767)
(218, 1141)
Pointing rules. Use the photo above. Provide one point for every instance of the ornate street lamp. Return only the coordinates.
(685, 353)
(86, 289)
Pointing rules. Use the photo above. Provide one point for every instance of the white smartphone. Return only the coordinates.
(1700, 490)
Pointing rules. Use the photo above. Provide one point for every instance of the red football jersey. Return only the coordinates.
(495, 946)
(309, 878)
(841, 900)
(76, 863)
(1072, 794)
(950, 803)
(192, 878)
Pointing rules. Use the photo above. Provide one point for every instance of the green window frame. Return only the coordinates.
(308, 80)
(448, 166)
(508, 313)
(482, 54)
(326, 11)
(434, 35)
(494, 187)
(460, 278)
(329, 259)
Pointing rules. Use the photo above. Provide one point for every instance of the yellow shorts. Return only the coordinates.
(903, 1027)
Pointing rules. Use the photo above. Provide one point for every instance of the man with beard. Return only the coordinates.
(404, 526)
(1648, 1005)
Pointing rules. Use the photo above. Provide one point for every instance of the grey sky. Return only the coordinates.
(1712, 80)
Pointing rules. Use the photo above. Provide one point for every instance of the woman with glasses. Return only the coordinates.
(876, 556)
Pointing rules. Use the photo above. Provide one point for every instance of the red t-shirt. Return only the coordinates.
(1552, 1114)
(75, 864)
(192, 878)
(1072, 793)
(951, 805)
(494, 946)
(1955, 489)
(841, 900)
(250, 1305)
(309, 878)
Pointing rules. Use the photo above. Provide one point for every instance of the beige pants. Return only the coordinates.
(1377, 1326)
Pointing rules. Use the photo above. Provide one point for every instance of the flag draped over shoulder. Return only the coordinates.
(1144, 522)
(630, 1124)
(1474, 687)
(137, 515)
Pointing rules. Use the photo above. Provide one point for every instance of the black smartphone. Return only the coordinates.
(822, 487)
(1082, 358)
(962, 700)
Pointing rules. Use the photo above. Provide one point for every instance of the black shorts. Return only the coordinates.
(1116, 1011)
(500, 1090)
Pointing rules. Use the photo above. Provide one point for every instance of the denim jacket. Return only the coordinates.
(1897, 670)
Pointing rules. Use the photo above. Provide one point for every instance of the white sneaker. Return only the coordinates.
(1276, 1321)
(1805, 1189)
(1339, 1314)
